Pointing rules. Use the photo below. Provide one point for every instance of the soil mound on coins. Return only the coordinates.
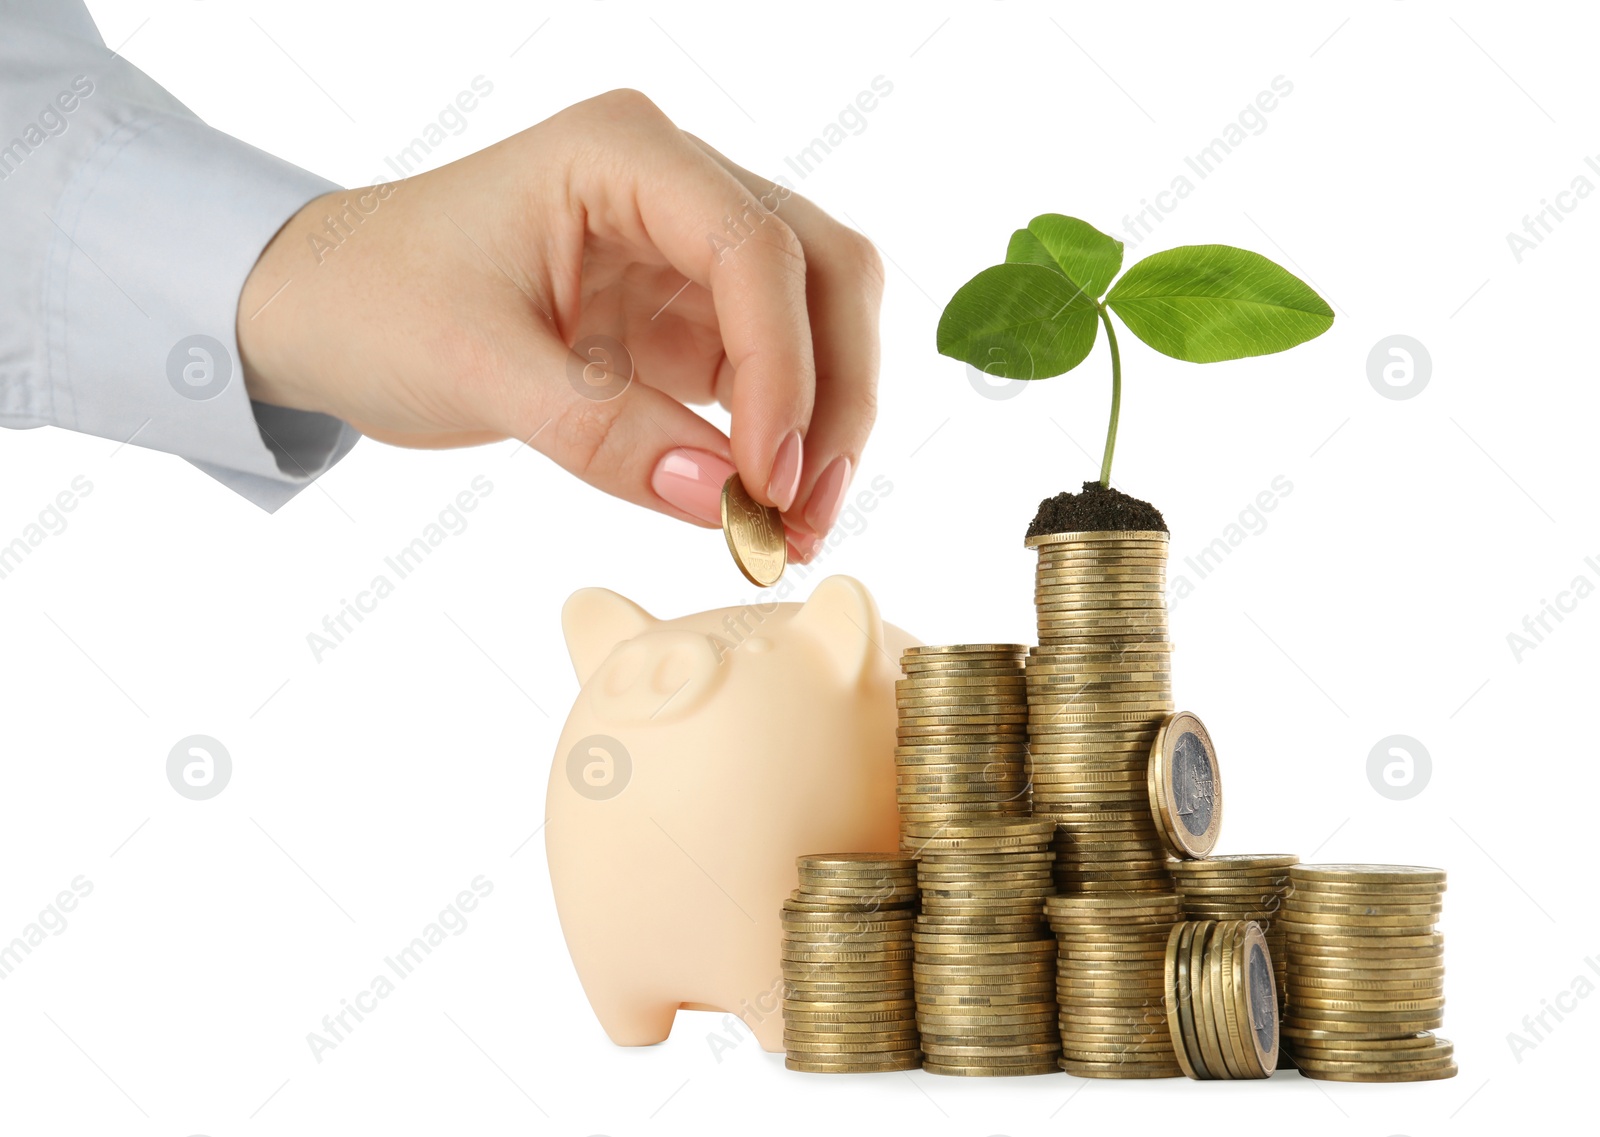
(1096, 508)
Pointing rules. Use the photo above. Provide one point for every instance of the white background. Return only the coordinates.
(371, 787)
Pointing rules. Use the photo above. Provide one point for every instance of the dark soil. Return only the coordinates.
(1096, 508)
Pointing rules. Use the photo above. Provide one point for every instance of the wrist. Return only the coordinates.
(270, 306)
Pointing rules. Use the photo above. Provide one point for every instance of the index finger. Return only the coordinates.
(712, 229)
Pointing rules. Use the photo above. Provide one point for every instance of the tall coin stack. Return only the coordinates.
(983, 958)
(1099, 685)
(848, 1005)
(1110, 984)
(1366, 973)
(962, 733)
(1242, 887)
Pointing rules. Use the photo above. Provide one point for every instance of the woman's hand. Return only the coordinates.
(443, 310)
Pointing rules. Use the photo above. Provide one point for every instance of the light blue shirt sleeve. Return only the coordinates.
(127, 229)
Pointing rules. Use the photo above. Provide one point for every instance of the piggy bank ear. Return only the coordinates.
(595, 620)
(843, 619)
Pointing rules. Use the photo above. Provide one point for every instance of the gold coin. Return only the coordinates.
(1314, 1046)
(849, 1031)
(1349, 893)
(1279, 863)
(1024, 1018)
(1188, 1004)
(1047, 666)
(911, 1060)
(1311, 1005)
(754, 533)
(793, 913)
(1369, 874)
(858, 862)
(950, 924)
(882, 1010)
(1422, 1049)
(1259, 989)
(1003, 676)
(980, 704)
(951, 996)
(1224, 1005)
(1426, 1075)
(945, 651)
(1319, 976)
(1208, 1018)
(803, 1047)
(1372, 940)
(1364, 1071)
(1344, 1035)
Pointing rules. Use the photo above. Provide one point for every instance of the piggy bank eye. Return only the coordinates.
(656, 678)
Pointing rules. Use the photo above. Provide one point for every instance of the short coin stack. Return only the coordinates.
(984, 989)
(962, 733)
(1366, 973)
(847, 1006)
(1241, 887)
(1222, 1003)
(1109, 983)
(1099, 686)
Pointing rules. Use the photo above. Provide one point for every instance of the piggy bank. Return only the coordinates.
(703, 755)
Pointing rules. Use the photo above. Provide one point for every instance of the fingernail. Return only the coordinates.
(692, 481)
(785, 482)
(827, 496)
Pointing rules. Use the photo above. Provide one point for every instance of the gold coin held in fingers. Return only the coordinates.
(755, 535)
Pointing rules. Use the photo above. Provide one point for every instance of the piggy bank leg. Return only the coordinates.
(757, 999)
(632, 1020)
(769, 1032)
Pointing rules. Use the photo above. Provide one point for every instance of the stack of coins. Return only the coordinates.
(1109, 984)
(1099, 685)
(1366, 973)
(1222, 1003)
(848, 1005)
(962, 733)
(985, 996)
(1104, 584)
(1242, 887)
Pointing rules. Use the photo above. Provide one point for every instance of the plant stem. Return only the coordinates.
(1116, 398)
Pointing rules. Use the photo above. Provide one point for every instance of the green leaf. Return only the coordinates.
(1018, 321)
(1075, 248)
(1206, 303)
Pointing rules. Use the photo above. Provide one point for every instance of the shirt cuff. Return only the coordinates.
(154, 237)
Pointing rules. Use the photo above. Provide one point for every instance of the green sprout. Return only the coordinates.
(1038, 314)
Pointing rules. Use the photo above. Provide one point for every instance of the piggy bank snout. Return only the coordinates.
(655, 677)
